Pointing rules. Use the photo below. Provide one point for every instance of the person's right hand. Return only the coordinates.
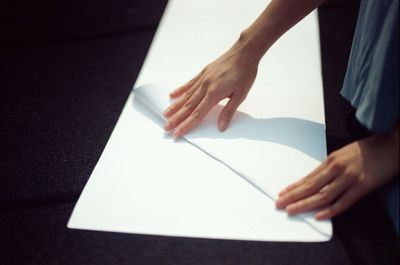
(230, 76)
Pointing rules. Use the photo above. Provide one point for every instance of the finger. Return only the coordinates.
(180, 90)
(195, 117)
(307, 188)
(343, 203)
(316, 171)
(227, 112)
(280, 203)
(324, 197)
(177, 105)
(185, 110)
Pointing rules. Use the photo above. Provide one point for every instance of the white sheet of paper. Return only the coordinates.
(146, 182)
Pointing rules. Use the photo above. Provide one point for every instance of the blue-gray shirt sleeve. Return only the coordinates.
(371, 83)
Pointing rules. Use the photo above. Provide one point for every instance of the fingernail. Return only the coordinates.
(177, 133)
(166, 112)
(167, 125)
(222, 125)
(321, 215)
(290, 208)
(278, 204)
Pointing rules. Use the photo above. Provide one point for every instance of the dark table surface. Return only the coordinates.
(66, 70)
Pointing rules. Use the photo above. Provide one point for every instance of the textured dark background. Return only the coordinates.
(66, 69)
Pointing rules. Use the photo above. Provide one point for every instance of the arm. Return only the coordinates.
(274, 21)
(232, 74)
(345, 176)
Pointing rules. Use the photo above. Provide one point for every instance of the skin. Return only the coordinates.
(224, 78)
(232, 74)
(343, 178)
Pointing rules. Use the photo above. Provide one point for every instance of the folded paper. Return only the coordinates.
(212, 184)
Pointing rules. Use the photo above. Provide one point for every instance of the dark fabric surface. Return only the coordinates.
(337, 23)
(61, 103)
(39, 236)
(66, 69)
(25, 22)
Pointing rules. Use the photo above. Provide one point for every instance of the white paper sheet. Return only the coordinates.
(269, 153)
(146, 182)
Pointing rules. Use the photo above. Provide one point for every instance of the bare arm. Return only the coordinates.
(273, 22)
(233, 73)
(345, 176)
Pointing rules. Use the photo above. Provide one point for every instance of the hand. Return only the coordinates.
(230, 76)
(344, 177)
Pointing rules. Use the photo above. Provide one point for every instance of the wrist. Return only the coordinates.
(249, 47)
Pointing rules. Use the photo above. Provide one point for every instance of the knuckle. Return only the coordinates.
(188, 105)
(195, 115)
(325, 197)
(211, 93)
(334, 162)
(207, 99)
(337, 165)
(185, 97)
(308, 187)
(363, 182)
(331, 158)
(351, 176)
(206, 82)
(198, 93)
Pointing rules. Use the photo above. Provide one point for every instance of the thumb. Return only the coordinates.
(226, 114)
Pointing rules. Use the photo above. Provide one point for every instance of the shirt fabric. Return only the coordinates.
(371, 83)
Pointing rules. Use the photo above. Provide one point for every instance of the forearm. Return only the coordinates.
(387, 144)
(278, 17)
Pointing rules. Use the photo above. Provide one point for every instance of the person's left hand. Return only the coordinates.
(344, 177)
